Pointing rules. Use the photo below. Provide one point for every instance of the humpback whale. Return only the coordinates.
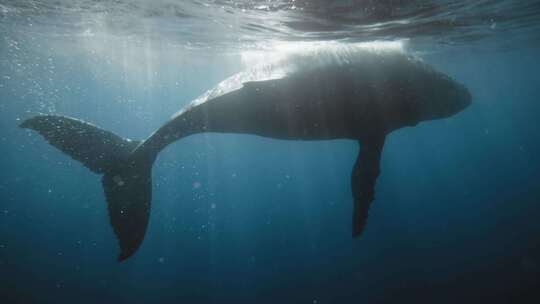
(360, 94)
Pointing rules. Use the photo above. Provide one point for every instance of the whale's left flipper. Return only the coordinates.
(364, 175)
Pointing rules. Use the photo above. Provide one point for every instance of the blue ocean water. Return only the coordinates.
(245, 219)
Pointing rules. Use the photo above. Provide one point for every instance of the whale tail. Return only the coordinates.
(126, 180)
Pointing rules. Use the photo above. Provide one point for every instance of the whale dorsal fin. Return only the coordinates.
(364, 175)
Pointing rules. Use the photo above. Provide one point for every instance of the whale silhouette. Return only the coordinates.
(359, 94)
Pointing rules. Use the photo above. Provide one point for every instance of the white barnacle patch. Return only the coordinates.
(118, 180)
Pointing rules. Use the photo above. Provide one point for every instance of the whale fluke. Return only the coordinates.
(126, 181)
(129, 192)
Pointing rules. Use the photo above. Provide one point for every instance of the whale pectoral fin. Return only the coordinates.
(364, 175)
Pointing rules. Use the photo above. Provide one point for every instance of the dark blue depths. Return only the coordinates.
(243, 219)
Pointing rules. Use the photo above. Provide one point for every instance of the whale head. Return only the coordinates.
(440, 97)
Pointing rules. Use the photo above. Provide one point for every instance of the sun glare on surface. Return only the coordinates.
(280, 50)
